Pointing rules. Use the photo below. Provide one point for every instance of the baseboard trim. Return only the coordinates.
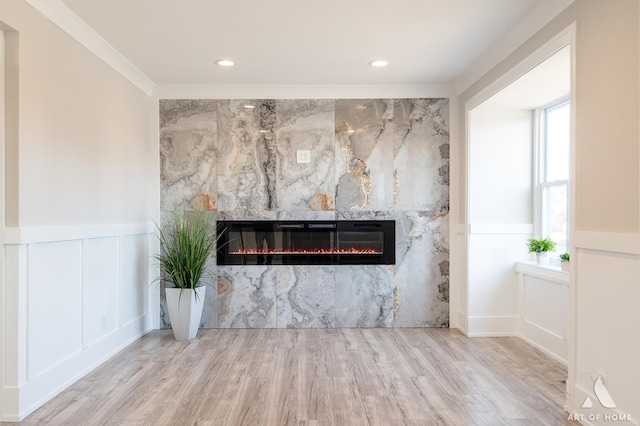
(544, 340)
(492, 326)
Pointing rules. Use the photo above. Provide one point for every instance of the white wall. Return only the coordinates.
(500, 166)
(82, 128)
(77, 233)
(606, 248)
(500, 212)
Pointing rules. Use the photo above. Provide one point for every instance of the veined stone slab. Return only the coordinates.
(306, 297)
(421, 280)
(364, 296)
(247, 158)
(305, 125)
(421, 154)
(246, 297)
(188, 133)
(364, 148)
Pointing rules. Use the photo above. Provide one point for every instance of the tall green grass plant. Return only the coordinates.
(187, 244)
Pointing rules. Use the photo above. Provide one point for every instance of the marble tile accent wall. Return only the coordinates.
(370, 159)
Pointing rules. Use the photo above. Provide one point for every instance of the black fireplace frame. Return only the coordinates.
(385, 228)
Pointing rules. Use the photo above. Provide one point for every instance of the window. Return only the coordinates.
(553, 190)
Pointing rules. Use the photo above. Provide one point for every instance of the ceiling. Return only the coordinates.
(301, 42)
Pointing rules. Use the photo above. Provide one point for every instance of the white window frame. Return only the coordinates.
(542, 186)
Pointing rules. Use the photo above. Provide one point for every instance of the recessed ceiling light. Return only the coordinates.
(379, 63)
(248, 106)
(225, 62)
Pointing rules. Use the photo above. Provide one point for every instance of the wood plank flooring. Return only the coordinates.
(317, 377)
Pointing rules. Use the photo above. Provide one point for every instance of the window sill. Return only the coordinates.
(546, 272)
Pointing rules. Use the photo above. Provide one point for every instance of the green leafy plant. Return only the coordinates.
(187, 243)
(565, 257)
(541, 245)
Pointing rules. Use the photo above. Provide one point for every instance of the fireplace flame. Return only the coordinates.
(321, 251)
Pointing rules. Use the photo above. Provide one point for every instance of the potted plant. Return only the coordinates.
(187, 244)
(541, 246)
(564, 262)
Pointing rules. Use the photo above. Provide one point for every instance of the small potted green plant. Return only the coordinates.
(541, 246)
(564, 262)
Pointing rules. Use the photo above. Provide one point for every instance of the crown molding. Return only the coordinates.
(69, 22)
(527, 27)
(302, 91)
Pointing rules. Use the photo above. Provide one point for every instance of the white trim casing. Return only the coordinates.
(46, 234)
(501, 228)
(534, 21)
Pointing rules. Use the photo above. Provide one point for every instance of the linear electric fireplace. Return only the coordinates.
(342, 242)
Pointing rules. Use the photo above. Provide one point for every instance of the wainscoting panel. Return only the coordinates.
(607, 292)
(77, 301)
(133, 278)
(543, 294)
(100, 289)
(54, 293)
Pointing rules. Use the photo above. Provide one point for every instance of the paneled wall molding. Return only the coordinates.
(95, 281)
(34, 393)
(501, 228)
(292, 91)
(45, 234)
(69, 22)
(543, 307)
(608, 241)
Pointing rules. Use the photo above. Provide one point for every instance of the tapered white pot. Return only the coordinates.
(185, 311)
(542, 258)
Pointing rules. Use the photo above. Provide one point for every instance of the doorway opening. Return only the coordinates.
(519, 186)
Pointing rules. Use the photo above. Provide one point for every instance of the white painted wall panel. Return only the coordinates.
(492, 277)
(501, 166)
(134, 259)
(608, 338)
(54, 297)
(99, 288)
(546, 304)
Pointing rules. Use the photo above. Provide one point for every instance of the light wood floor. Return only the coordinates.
(317, 377)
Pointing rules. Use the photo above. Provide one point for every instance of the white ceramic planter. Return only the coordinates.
(564, 265)
(542, 258)
(185, 311)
